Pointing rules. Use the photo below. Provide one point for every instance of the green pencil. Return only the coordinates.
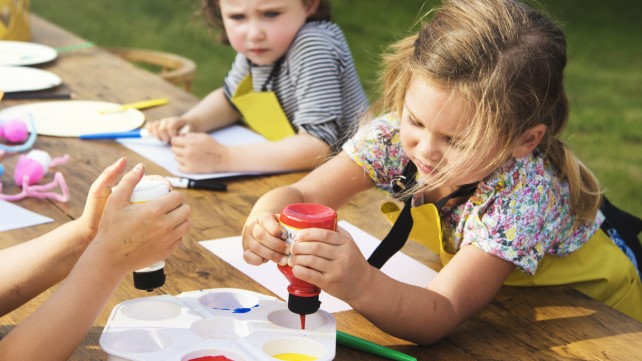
(371, 347)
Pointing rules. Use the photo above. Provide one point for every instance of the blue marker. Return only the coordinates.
(137, 133)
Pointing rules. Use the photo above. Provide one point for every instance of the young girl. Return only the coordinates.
(475, 103)
(92, 254)
(293, 81)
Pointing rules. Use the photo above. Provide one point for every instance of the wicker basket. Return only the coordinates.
(14, 20)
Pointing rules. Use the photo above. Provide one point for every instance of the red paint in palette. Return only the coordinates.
(211, 358)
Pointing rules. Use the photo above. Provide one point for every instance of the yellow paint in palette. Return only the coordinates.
(294, 357)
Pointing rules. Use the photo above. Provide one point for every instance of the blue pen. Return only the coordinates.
(137, 133)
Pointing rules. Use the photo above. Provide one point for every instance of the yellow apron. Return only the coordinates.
(262, 110)
(598, 269)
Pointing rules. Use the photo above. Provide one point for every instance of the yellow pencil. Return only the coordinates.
(137, 105)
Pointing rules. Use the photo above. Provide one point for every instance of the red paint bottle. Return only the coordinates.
(303, 297)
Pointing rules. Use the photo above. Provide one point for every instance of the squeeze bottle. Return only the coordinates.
(303, 297)
(152, 276)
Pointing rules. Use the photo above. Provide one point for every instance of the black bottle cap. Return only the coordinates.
(303, 305)
(149, 280)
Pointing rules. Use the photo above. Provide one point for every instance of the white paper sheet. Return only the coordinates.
(400, 267)
(14, 217)
(161, 154)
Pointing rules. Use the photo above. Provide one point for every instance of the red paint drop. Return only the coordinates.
(302, 321)
(211, 358)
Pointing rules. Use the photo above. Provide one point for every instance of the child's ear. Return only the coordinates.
(311, 7)
(529, 140)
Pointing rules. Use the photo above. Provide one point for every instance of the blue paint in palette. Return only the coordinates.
(237, 310)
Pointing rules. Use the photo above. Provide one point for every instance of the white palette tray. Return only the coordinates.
(234, 323)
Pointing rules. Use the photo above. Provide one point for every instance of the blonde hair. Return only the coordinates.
(505, 61)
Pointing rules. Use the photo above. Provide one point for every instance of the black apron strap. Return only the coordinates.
(395, 239)
(398, 234)
(627, 225)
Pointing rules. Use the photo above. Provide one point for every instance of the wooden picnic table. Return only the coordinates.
(518, 324)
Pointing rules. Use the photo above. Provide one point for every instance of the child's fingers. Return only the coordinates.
(320, 235)
(252, 258)
(266, 245)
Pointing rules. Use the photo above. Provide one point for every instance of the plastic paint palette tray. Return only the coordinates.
(238, 324)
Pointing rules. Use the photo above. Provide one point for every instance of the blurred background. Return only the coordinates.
(603, 78)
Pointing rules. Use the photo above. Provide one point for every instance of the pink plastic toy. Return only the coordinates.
(30, 169)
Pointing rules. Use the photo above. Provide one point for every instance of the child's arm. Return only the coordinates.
(212, 112)
(199, 153)
(333, 262)
(130, 236)
(333, 184)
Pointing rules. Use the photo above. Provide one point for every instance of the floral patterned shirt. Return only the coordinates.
(519, 213)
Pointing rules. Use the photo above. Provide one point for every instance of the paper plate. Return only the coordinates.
(71, 118)
(25, 53)
(19, 79)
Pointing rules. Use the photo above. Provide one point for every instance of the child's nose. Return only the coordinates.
(255, 31)
(429, 148)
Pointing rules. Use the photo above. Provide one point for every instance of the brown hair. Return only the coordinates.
(506, 62)
(211, 11)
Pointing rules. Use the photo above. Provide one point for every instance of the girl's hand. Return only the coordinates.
(263, 240)
(134, 236)
(331, 261)
(96, 199)
(166, 128)
(199, 153)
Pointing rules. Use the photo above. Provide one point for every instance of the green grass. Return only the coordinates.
(603, 77)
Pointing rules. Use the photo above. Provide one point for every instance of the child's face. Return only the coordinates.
(430, 126)
(263, 30)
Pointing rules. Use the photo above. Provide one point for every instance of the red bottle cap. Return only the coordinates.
(309, 215)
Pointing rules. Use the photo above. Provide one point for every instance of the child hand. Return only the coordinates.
(332, 261)
(96, 199)
(166, 128)
(136, 235)
(263, 240)
(199, 153)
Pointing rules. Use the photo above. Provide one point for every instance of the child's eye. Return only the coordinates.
(272, 14)
(454, 143)
(413, 122)
(236, 17)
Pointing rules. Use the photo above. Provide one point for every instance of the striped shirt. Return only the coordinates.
(317, 85)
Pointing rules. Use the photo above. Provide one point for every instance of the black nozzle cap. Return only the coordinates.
(303, 305)
(149, 280)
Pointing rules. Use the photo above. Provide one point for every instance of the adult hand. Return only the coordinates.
(199, 153)
(136, 235)
(96, 199)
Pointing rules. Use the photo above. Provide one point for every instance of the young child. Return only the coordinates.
(92, 253)
(475, 103)
(293, 81)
